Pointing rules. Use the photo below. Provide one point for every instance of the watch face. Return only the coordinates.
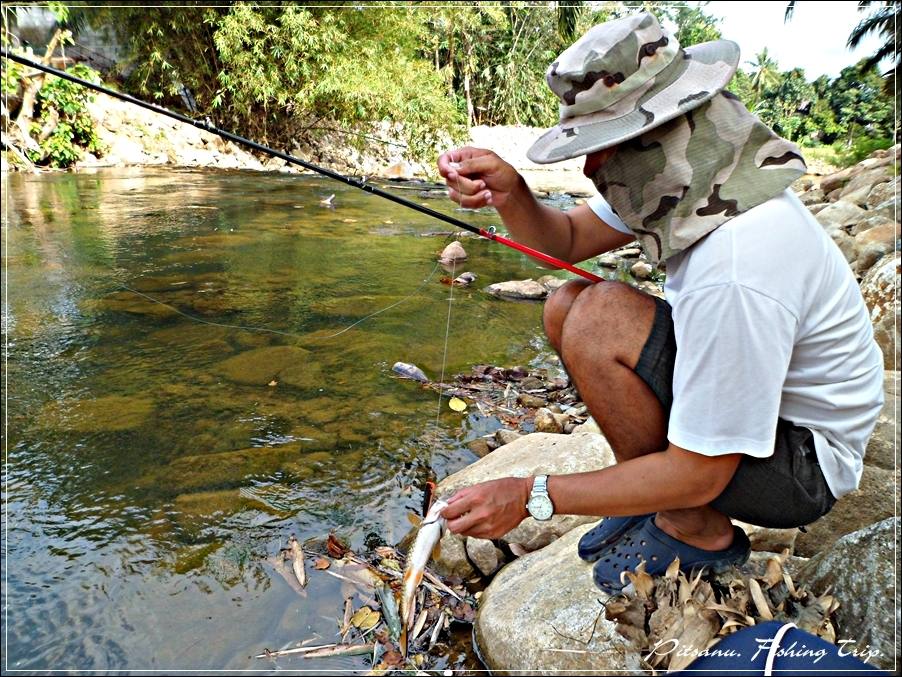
(540, 507)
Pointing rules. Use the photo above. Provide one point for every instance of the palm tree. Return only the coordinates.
(567, 17)
(765, 73)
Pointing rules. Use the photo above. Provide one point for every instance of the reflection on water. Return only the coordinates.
(155, 461)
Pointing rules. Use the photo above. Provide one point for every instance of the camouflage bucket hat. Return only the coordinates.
(625, 77)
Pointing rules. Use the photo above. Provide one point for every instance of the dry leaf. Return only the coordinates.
(391, 564)
(517, 549)
(321, 563)
(457, 404)
(774, 573)
(365, 618)
(759, 600)
(335, 546)
(643, 583)
(789, 586)
(393, 659)
(386, 551)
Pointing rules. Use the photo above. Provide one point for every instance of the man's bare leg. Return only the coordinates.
(599, 332)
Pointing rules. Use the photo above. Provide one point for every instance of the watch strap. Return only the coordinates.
(540, 485)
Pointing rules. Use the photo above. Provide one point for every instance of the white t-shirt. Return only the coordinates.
(769, 321)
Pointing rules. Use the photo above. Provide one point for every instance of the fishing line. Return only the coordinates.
(441, 379)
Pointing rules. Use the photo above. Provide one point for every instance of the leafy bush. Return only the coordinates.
(861, 148)
(62, 123)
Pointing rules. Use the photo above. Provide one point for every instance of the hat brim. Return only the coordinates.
(703, 72)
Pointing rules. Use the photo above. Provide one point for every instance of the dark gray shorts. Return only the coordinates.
(784, 490)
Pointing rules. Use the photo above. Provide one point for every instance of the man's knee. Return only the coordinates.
(557, 307)
(607, 321)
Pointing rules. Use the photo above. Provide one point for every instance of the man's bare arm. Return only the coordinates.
(666, 480)
(477, 178)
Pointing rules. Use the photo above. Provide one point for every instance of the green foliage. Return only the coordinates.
(494, 56)
(279, 71)
(61, 113)
(12, 73)
(693, 25)
(861, 148)
(274, 72)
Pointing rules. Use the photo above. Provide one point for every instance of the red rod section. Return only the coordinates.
(535, 253)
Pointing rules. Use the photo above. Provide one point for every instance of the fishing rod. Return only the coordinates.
(206, 125)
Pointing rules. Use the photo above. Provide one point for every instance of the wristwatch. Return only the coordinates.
(540, 505)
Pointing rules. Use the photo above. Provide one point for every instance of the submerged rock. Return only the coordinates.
(102, 414)
(453, 252)
(127, 302)
(222, 470)
(261, 366)
(518, 289)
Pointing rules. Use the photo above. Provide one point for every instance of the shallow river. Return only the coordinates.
(157, 454)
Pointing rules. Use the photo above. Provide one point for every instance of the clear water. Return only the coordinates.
(131, 429)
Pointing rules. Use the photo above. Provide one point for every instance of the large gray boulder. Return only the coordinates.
(874, 500)
(883, 192)
(859, 569)
(859, 187)
(543, 614)
(837, 180)
(873, 243)
(883, 447)
(880, 289)
(842, 214)
(534, 454)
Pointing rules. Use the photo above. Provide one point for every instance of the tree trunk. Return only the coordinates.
(471, 117)
(31, 89)
(471, 113)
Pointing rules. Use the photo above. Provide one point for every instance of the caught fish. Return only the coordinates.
(405, 370)
(464, 279)
(297, 563)
(428, 536)
(327, 201)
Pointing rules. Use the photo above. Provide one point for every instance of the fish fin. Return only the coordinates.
(437, 550)
(414, 519)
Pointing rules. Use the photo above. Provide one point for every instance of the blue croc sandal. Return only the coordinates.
(646, 542)
(605, 534)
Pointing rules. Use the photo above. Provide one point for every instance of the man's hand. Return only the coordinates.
(489, 509)
(478, 177)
